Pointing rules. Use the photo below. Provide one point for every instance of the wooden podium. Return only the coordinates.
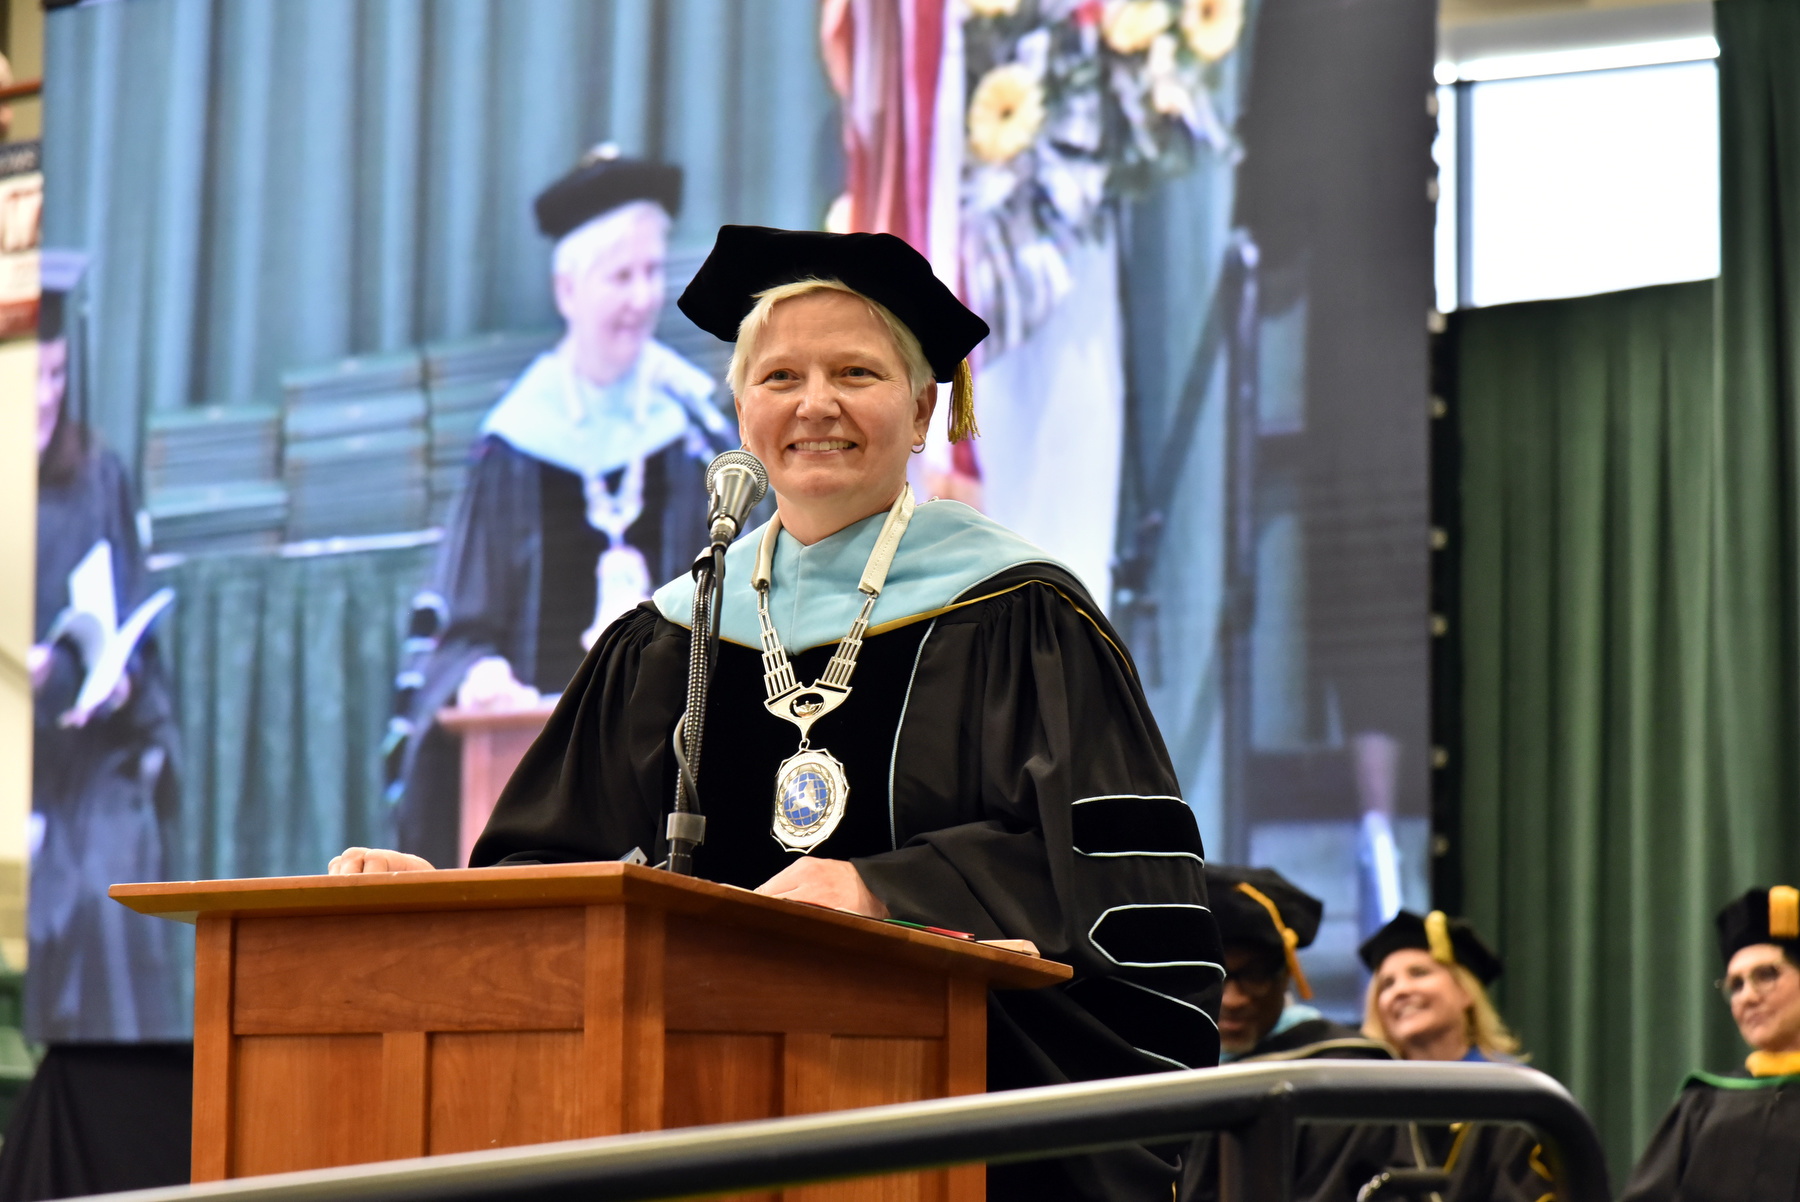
(493, 743)
(340, 1020)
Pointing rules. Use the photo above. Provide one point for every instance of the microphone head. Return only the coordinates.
(738, 461)
(735, 482)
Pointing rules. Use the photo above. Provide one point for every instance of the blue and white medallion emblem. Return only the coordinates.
(810, 796)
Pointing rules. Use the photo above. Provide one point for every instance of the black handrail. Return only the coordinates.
(1254, 1105)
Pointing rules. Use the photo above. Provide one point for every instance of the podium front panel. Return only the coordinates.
(329, 1038)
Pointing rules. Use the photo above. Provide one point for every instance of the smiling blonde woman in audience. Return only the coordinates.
(1428, 1000)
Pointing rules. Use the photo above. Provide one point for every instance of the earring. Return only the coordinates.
(919, 449)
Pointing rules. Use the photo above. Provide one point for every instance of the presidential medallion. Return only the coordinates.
(810, 796)
(810, 787)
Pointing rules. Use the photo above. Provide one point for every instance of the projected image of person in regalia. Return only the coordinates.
(584, 488)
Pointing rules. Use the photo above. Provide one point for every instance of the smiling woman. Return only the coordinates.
(973, 750)
(832, 393)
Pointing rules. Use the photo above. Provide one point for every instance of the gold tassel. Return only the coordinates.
(1437, 934)
(1290, 938)
(1784, 912)
(962, 404)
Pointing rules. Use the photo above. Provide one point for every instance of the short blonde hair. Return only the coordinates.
(750, 331)
(1481, 1021)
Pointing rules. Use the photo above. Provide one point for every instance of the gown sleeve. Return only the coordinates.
(575, 797)
(1033, 798)
(1659, 1171)
(475, 606)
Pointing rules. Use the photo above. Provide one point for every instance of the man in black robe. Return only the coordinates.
(1264, 919)
(584, 490)
(1731, 1138)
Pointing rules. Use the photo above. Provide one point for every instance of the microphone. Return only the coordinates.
(735, 482)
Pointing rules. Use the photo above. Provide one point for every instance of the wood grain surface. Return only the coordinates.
(535, 885)
(307, 1101)
(500, 1089)
(215, 1051)
(720, 979)
(503, 970)
(345, 1020)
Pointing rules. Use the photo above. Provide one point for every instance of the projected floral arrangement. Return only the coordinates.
(1071, 103)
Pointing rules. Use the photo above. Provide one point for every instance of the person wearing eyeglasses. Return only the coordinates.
(1737, 1136)
(1264, 920)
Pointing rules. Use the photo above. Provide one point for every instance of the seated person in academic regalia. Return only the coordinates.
(1428, 1000)
(994, 768)
(1735, 1137)
(1264, 919)
(584, 489)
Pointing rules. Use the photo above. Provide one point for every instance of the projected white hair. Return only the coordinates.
(576, 250)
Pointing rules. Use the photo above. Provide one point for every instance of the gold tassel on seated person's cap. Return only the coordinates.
(1784, 912)
(1437, 934)
(962, 404)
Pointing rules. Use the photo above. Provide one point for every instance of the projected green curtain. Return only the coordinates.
(284, 671)
(1631, 622)
(270, 184)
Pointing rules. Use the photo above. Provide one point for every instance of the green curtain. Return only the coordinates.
(1759, 413)
(1596, 838)
(1630, 623)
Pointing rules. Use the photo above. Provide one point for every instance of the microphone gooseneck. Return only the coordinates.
(735, 482)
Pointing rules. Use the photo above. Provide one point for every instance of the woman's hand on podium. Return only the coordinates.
(375, 859)
(834, 883)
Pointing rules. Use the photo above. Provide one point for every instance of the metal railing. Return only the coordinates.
(1254, 1107)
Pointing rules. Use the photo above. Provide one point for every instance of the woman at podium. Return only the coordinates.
(986, 762)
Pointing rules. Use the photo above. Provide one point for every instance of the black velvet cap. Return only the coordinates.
(1751, 919)
(1243, 919)
(1408, 930)
(602, 181)
(748, 259)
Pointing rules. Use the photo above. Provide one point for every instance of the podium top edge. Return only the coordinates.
(521, 886)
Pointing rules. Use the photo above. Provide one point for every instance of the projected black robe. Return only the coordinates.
(1006, 779)
(516, 574)
(100, 794)
(1724, 1139)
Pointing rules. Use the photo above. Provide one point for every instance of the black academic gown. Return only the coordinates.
(1327, 1156)
(515, 578)
(99, 973)
(1334, 1161)
(1000, 758)
(1726, 1139)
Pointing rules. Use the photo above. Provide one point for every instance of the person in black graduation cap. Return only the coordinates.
(995, 770)
(1428, 1000)
(108, 1106)
(1734, 1137)
(584, 489)
(104, 775)
(1264, 920)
